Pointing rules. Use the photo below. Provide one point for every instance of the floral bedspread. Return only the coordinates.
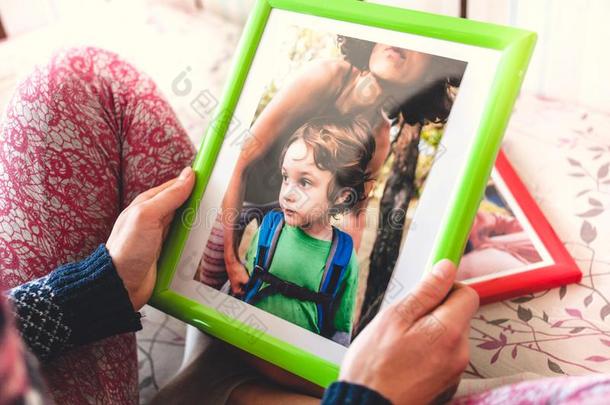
(562, 153)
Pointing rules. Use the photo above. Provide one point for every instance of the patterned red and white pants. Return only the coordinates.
(80, 139)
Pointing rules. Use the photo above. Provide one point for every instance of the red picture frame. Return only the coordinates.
(563, 269)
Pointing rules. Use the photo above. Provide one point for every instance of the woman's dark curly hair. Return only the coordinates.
(433, 103)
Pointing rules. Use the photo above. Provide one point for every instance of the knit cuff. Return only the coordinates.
(93, 299)
(341, 392)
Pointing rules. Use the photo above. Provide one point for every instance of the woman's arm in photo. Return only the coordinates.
(301, 99)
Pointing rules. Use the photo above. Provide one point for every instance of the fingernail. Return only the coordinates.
(185, 173)
(441, 269)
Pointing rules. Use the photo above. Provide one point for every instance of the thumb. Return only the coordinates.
(169, 199)
(429, 293)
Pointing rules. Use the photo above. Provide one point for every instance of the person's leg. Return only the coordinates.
(267, 393)
(219, 375)
(80, 139)
(209, 379)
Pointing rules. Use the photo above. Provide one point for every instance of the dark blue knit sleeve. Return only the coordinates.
(352, 394)
(75, 304)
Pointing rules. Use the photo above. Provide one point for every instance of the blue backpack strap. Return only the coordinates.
(338, 258)
(268, 234)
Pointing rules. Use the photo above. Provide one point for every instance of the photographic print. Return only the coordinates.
(314, 214)
(502, 241)
(512, 249)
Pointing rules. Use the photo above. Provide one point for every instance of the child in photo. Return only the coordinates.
(302, 268)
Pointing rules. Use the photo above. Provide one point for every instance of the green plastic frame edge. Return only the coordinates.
(516, 47)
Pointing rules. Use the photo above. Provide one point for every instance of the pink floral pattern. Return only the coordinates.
(80, 139)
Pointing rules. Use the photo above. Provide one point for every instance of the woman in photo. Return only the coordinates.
(302, 268)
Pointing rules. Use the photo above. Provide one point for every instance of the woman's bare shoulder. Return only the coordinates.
(333, 65)
(326, 72)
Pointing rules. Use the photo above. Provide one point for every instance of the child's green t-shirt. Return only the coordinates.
(300, 259)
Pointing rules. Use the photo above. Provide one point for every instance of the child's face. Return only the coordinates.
(304, 192)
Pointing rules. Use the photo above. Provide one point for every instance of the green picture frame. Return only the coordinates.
(515, 47)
